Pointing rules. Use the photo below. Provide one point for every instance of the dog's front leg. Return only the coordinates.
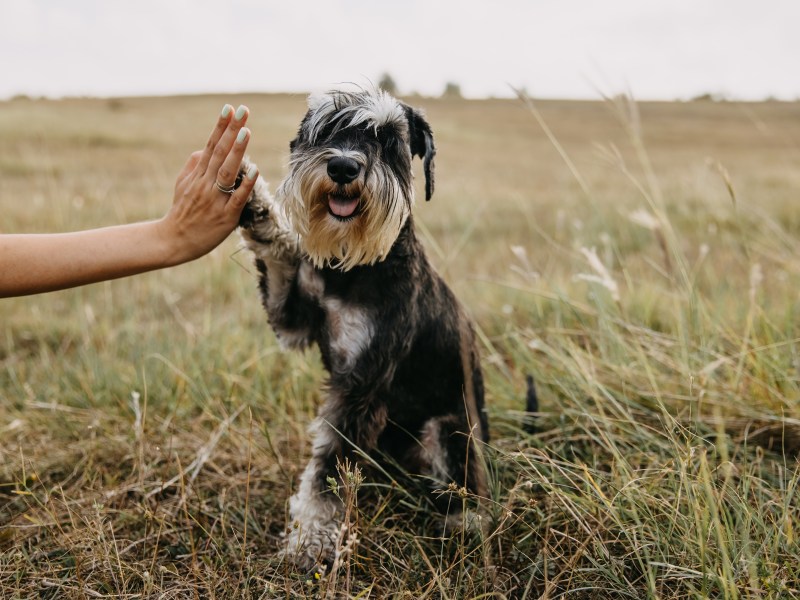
(286, 281)
(349, 423)
(264, 226)
(345, 431)
(315, 511)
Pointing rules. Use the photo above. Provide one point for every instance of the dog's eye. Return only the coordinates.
(327, 132)
(370, 132)
(384, 135)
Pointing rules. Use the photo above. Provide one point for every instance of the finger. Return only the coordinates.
(224, 119)
(225, 142)
(194, 158)
(239, 198)
(226, 174)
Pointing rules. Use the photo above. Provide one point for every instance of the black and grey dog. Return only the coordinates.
(340, 266)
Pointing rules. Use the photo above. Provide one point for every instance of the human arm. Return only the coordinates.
(200, 218)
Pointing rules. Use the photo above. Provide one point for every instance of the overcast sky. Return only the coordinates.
(556, 48)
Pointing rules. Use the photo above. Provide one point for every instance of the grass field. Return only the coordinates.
(642, 262)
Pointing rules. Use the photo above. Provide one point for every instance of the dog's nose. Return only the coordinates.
(342, 169)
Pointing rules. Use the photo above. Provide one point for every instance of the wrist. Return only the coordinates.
(169, 243)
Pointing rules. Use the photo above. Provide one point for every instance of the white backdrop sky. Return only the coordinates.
(656, 49)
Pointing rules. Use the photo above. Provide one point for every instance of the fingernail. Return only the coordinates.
(242, 134)
(240, 112)
(252, 172)
(226, 110)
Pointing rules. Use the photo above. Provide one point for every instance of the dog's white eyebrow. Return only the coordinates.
(376, 109)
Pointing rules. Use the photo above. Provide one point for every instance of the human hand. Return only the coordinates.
(202, 215)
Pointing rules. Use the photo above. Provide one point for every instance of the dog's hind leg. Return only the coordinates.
(450, 456)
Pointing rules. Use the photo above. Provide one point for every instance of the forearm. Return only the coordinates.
(202, 215)
(33, 263)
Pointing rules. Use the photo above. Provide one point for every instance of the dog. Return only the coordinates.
(340, 266)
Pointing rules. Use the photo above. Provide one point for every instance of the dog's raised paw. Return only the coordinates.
(259, 221)
(256, 210)
(252, 215)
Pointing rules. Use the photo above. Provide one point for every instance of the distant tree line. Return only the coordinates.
(388, 84)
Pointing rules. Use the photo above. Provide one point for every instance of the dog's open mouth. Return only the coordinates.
(343, 207)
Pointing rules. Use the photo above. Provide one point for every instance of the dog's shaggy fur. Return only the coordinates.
(340, 266)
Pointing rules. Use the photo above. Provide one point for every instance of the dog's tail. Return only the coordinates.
(531, 405)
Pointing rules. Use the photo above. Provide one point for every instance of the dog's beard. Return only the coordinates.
(362, 238)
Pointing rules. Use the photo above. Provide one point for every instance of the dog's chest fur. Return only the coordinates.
(359, 309)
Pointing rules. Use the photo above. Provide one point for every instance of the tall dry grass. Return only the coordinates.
(641, 261)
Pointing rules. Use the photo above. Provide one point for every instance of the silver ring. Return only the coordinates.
(225, 189)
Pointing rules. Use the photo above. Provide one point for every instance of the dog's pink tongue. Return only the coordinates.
(342, 207)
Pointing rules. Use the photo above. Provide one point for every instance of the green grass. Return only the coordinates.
(640, 261)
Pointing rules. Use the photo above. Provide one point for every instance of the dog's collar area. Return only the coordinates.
(343, 207)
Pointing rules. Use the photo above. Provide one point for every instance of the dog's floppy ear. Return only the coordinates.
(421, 140)
(296, 140)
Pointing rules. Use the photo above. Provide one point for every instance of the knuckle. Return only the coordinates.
(224, 174)
(220, 151)
(240, 197)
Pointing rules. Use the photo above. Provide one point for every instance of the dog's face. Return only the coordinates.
(350, 185)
